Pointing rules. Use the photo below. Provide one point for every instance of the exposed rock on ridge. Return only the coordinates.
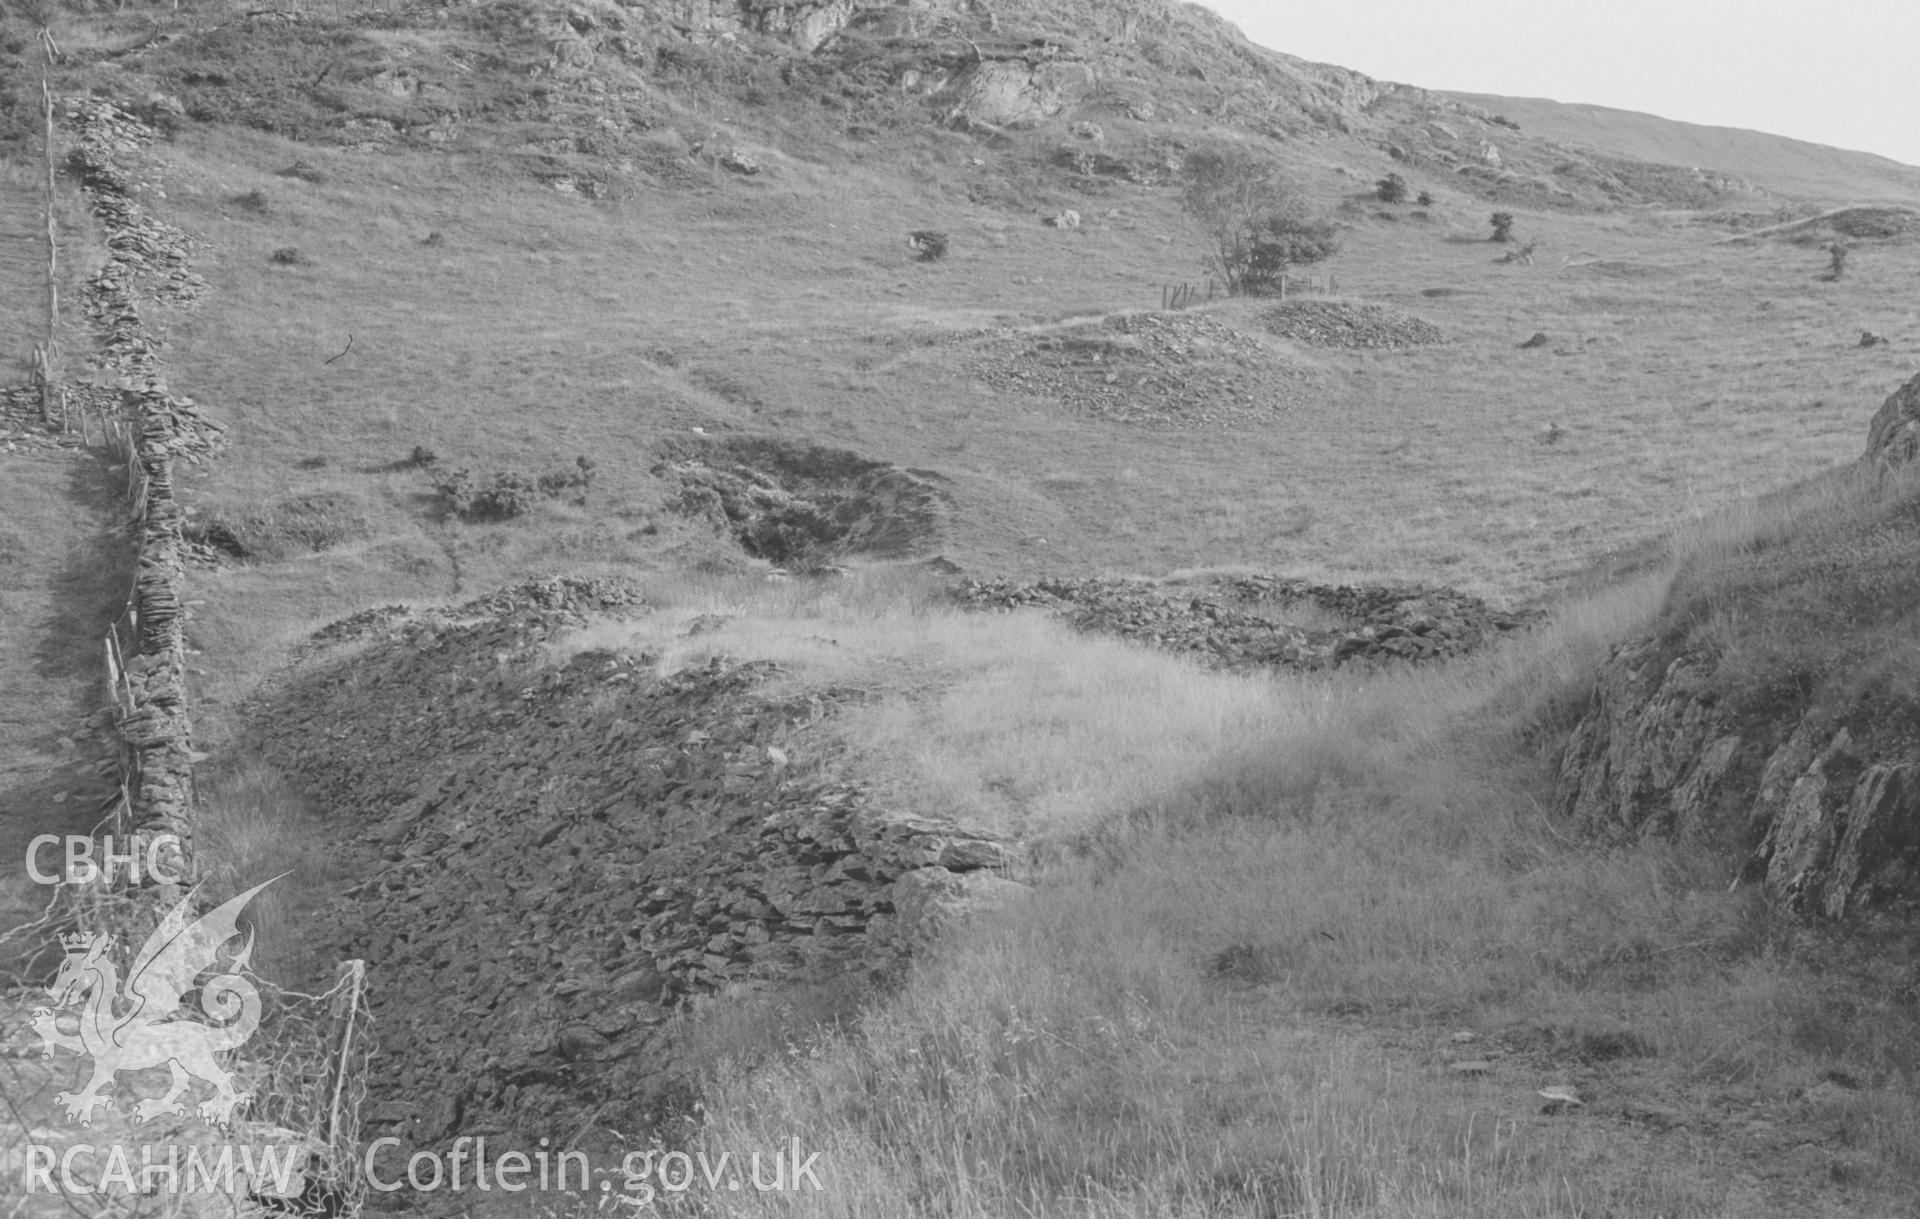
(1813, 771)
(1893, 438)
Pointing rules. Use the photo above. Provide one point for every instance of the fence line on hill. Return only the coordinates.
(318, 8)
(46, 355)
(315, 1058)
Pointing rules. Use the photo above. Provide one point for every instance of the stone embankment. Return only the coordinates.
(145, 258)
(556, 854)
(1814, 775)
(1241, 622)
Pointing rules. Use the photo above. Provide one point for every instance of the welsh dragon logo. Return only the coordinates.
(143, 1024)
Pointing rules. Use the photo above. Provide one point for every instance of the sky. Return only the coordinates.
(1842, 74)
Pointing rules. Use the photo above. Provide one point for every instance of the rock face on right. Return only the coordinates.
(1777, 710)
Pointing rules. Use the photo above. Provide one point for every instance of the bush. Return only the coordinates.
(1425, 199)
(512, 493)
(1391, 189)
(1503, 226)
(288, 256)
(1255, 221)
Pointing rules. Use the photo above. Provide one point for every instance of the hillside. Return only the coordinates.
(1796, 169)
(1050, 736)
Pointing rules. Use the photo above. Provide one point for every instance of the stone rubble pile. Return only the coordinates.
(555, 855)
(1172, 370)
(1338, 324)
(145, 257)
(1229, 621)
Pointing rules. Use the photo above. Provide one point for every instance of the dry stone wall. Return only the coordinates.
(555, 857)
(148, 658)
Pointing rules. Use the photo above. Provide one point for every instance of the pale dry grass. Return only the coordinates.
(1010, 723)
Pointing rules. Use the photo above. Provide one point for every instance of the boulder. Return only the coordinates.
(929, 901)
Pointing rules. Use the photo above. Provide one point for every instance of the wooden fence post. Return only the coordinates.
(45, 364)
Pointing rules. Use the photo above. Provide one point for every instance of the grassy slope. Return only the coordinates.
(1777, 163)
(1242, 999)
(1681, 370)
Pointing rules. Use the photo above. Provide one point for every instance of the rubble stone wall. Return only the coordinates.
(147, 658)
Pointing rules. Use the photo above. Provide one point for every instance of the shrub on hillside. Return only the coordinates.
(1391, 189)
(1425, 199)
(1282, 242)
(1503, 226)
(511, 493)
(1255, 221)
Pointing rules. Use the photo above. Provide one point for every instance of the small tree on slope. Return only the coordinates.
(1255, 221)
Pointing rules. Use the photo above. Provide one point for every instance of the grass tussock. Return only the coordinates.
(253, 828)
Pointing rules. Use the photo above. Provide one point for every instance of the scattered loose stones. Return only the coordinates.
(557, 856)
(1171, 370)
(1338, 324)
(1223, 619)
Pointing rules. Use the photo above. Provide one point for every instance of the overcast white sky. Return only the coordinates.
(1846, 74)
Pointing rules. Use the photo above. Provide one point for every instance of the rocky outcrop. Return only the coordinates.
(804, 24)
(1893, 438)
(1826, 816)
(555, 857)
(1015, 91)
(1656, 753)
(1781, 726)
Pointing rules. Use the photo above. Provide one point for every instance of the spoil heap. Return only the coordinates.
(555, 857)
